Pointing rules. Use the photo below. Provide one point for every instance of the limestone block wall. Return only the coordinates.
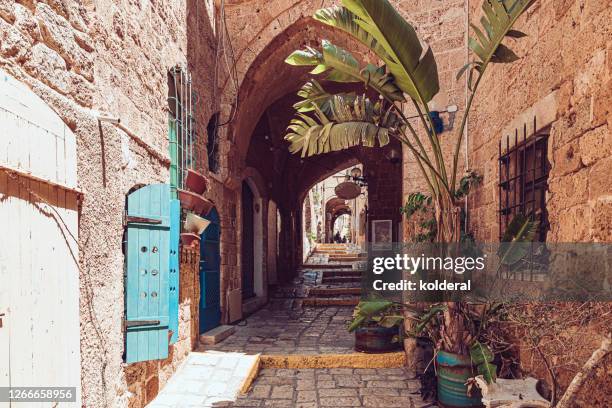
(110, 56)
(442, 26)
(564, 78)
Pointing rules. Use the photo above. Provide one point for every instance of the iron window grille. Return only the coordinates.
(523, 179)
(182, 101)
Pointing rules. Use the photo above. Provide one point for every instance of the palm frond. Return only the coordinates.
(514, 245)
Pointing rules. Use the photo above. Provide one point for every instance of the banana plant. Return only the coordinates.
(408, 74)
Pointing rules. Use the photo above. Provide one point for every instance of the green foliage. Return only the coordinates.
(366, 310)
(426, 319)
(471, 179)
(419, 202)
(482, 358)
(415, 202)
(519, 232)
(498, 18)
(341, 66)
(351, 121)
(377, 24)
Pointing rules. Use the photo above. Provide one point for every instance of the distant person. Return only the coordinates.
(337, 238)
(344, 239)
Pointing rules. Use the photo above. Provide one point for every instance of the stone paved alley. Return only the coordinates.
(307, 318)
(276, 330)
(336, 387)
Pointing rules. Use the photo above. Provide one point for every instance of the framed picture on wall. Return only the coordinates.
(382, 234)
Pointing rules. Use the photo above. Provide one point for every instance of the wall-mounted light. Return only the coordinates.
(437, 122)
(355, 175)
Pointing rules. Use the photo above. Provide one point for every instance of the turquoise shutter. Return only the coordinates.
(173, 281)
(147, 264)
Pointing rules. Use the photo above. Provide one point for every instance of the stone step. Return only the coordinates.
(349, 360)
(341, 279)
(216, 335)
(323, 301)
(342, 273)
(333, 292)
(326, 266)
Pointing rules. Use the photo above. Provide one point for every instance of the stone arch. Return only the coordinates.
(266, 63)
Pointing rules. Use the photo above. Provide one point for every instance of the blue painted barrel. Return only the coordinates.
(453, 372)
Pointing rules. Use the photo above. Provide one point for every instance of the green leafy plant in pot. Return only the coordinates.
(377, 324)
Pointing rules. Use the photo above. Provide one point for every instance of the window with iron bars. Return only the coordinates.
(182, 103)
(523, 178)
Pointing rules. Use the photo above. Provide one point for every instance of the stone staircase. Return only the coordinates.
(338, 269)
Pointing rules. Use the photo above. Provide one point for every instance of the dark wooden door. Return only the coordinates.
(248, 240)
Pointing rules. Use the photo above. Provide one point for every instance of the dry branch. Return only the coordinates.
(584, 374)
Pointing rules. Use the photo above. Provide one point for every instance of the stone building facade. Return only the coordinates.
(113, 56)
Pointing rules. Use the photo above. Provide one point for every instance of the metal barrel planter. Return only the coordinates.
(376, 339)
(453, 373)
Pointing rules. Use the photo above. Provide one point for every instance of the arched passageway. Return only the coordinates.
(265, 108)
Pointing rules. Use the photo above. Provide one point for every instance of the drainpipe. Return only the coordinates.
(465, 131)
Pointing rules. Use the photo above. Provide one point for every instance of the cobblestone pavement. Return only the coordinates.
(280, 329)
(334, 387)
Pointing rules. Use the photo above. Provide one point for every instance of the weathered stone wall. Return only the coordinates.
(109, 56)
(563, 77)
(442, 26)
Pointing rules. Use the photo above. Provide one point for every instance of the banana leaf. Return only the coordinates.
(482, 357)
(365, 310)
(381, 28)
(514, 245)
(498, 18)
(341, 66)
(351, 121)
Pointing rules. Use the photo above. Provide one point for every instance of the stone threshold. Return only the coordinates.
(309, 361)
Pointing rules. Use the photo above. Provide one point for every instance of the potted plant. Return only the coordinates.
(377, 326)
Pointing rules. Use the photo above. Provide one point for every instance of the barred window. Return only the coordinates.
(182, 102)
(523, 173)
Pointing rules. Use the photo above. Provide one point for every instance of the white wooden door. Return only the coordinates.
(39, 275)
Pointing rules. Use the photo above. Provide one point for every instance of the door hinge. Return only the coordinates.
(138, 323)
(142, 220)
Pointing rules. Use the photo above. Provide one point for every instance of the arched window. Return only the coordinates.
(212, 145)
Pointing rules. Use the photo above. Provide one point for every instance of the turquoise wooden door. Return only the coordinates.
(147, 269)
(210, 276)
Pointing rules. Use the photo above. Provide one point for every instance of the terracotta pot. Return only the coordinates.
(188, 239)
(376, 339)
(196, 182)
(194, 202)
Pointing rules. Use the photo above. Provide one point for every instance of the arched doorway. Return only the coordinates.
(210, 275)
